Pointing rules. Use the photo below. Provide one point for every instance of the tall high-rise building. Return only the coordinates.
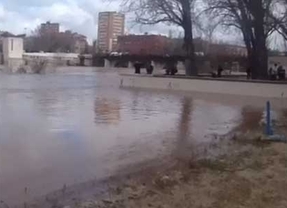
(110, 26)
(50, 28)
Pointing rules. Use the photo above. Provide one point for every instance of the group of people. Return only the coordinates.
(217, 74)
(277, 72)
(138, 65)
(170, 68)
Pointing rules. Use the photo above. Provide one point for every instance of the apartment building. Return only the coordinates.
(110, 26)
(50, 28)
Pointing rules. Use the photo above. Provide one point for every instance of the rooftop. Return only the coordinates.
(7, 34)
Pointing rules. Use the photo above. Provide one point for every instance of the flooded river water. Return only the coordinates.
(74, 126)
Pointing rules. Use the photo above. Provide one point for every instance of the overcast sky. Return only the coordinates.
(77, 15)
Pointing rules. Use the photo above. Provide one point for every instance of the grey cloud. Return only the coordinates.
(77, 15)
(22, 5)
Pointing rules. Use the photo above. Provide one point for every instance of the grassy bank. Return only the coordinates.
(252, 173)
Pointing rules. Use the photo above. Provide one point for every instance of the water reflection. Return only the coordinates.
(250, 119)
(184, 128)
(282, 122)
(107, 111)
(284, 113)
(135, 102)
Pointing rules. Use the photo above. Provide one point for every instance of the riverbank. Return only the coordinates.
(206, 85)
(247, 171)
(250, 173)
(253, 173)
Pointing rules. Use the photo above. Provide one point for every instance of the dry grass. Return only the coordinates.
(250, 175)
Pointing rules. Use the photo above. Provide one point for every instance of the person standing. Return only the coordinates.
(219, 71)
(273, 72)
(137, 66)
(281, 73)
(149, 68)
(248, 71)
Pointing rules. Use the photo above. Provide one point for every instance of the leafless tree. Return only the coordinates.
(46, 42)
(173, 12)
(207, 30)
(38, 66)
(253, 19)
(280, 18)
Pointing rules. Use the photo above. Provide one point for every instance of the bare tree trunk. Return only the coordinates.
(190, 66)
(260, 49)
(260, 62)
(254, 37)
(261, 57)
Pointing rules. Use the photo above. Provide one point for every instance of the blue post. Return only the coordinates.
(269, 131)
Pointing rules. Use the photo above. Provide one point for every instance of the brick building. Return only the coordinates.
(162, 45)
(143, 44)
(207, 48)
(227, 49)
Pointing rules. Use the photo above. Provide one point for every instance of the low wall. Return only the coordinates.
(245, 88)
(13, 64)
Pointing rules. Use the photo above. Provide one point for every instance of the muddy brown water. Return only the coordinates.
(78, 125)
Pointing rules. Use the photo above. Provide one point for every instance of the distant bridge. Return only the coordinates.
(158, 61)
(129, 60)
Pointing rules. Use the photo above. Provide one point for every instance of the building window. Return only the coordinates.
(12, 44)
